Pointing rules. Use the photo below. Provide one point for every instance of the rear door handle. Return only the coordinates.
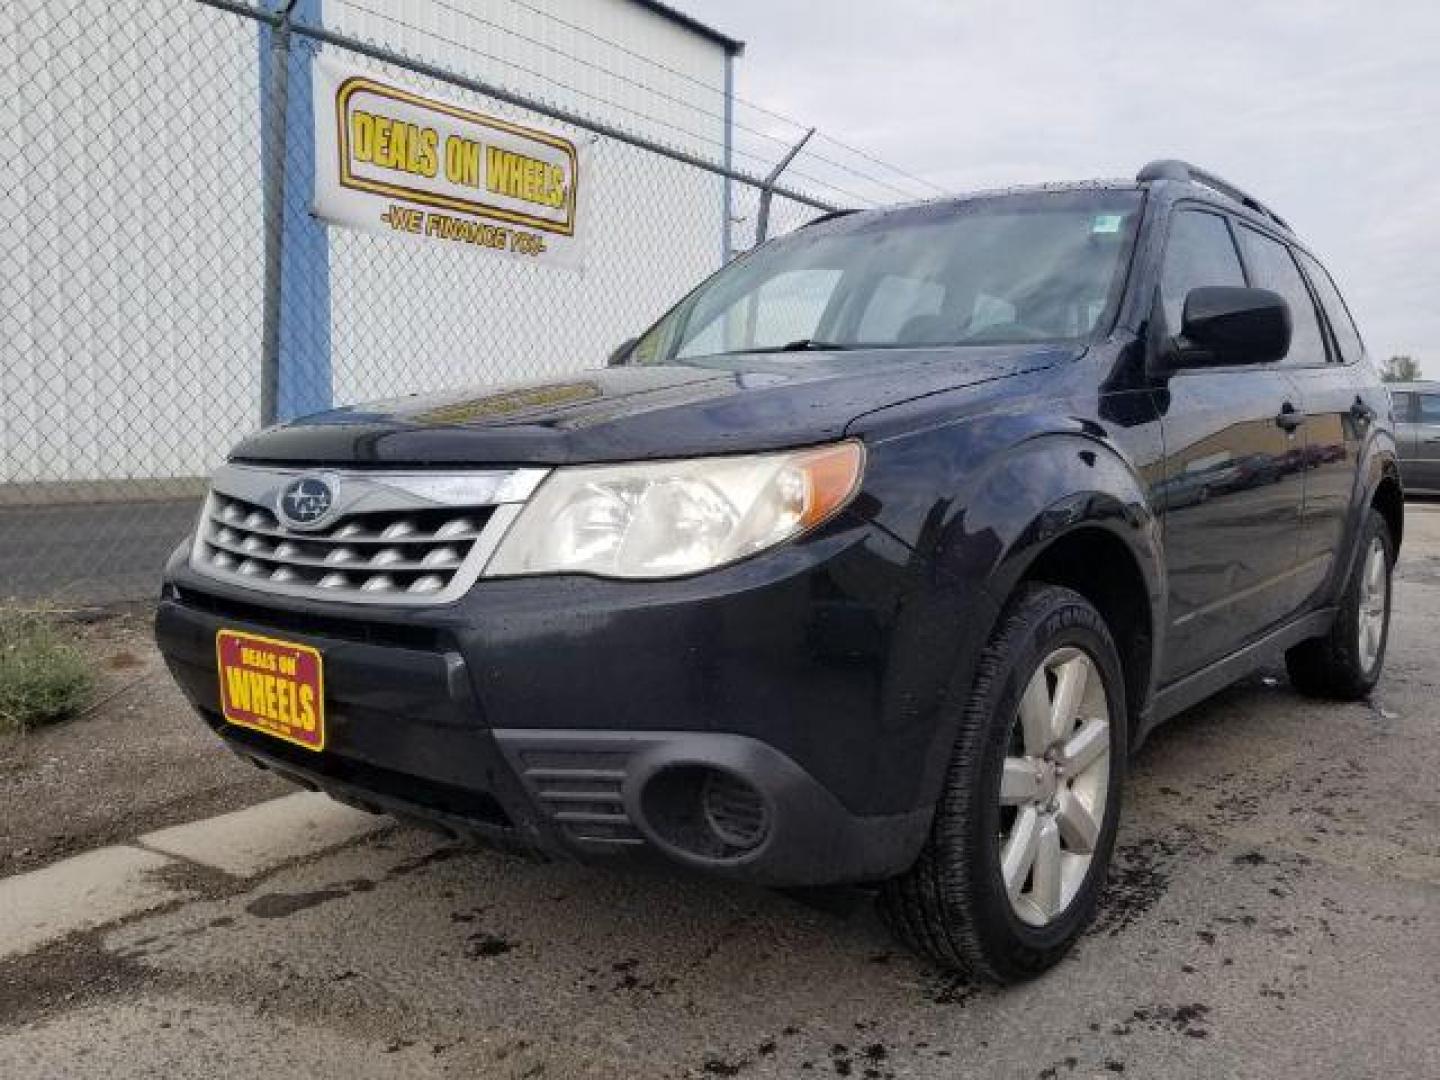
(1289, 418)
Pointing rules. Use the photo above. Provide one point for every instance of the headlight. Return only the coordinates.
(668, 518)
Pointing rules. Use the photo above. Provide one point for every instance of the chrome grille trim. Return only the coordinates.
(405, 538)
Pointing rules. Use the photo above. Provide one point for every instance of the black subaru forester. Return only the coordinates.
(871, 562)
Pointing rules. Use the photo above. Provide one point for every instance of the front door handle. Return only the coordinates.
(1289, 418)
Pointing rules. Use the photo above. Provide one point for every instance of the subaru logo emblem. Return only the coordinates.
(305, 502)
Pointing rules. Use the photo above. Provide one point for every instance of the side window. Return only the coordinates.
(1199, 252)
(1429, 409)
(1404, 407)
(1273, 267)
(894, 302)
(1346, 336)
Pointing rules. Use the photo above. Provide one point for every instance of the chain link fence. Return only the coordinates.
(158, 248)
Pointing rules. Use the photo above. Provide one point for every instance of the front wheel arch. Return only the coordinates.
(1104, 569)
(952, 905)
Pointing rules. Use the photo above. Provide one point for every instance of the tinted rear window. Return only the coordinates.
(1346, 335)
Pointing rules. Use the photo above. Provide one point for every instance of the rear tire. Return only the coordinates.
(1345, 664)
(970, 902)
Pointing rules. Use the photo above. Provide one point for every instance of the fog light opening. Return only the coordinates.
(705, 812)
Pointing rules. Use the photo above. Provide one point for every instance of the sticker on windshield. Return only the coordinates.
(1107, 223)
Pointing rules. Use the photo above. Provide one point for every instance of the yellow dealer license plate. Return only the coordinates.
(273, 686)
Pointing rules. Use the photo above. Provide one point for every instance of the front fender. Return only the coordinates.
(1003, 503)
(1069, 482)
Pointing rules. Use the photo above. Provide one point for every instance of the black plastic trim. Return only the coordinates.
(1195, 688)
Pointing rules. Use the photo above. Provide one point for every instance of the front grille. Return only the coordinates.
(412, 538)
(386, 552)
(357, 627)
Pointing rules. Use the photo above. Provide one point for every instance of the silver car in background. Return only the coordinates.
(1417, 434)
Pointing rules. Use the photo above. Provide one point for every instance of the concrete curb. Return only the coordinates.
(113, 883)
(261, 837)
(81, 893)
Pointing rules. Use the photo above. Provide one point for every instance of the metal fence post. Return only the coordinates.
(762, 223)
(727, 198)
(276, 99)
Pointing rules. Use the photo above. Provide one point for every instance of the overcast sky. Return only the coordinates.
(1327, 109)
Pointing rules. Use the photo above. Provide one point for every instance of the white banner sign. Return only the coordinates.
(393, 161)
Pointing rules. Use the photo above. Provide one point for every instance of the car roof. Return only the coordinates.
(1415, 384)
(871, 213)
(1169, 179)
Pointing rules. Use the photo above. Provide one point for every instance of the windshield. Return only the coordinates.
(1037, 267)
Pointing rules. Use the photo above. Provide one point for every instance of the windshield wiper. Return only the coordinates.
(799, 345)
(803, 344)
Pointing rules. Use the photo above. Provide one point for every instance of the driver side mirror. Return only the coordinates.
(621, 352)
(1224, 325)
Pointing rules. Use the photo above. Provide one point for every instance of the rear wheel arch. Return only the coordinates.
(1345, 663)
(1389, 499)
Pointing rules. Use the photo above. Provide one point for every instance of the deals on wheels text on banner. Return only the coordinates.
(391, 160)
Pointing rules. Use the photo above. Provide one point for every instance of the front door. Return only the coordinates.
(1233, 488)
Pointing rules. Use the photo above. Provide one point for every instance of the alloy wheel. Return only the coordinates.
(1374, 603)
(1053, 785)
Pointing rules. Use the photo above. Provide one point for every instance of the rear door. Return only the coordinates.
(1232, 491)
(1329, 449)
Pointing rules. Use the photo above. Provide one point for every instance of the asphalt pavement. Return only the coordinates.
(90, 553)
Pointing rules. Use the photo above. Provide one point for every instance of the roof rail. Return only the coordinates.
(1173, 169)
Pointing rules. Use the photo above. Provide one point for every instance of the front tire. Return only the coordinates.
(1345, 664)
(1023, 831)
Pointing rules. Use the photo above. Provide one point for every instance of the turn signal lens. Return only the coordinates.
(832, 474)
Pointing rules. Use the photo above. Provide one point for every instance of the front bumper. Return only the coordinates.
(571, 715)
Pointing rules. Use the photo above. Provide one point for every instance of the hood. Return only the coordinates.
(720, 405)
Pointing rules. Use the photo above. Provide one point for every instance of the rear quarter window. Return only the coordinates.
(1347, 337)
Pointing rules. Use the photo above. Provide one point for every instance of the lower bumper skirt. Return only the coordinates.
(726, 805)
